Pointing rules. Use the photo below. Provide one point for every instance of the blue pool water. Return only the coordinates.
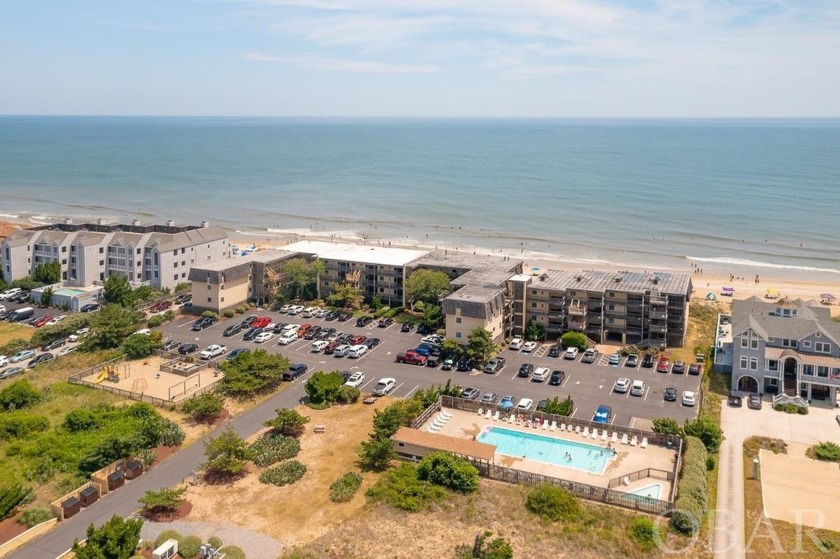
(652, 491)
(567, 454)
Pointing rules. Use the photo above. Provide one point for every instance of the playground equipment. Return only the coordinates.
(109, 372)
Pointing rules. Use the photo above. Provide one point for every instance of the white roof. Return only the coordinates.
(362, 254)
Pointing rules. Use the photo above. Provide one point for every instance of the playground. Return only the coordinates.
(144, 377)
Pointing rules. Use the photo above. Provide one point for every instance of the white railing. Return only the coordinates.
(785, 399)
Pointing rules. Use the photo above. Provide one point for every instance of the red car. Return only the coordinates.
(303, 329)
(41, 321)
(260, 322)
(411, 358)
(161, 306)
(663, 366)
(331, 347)
(357, 340)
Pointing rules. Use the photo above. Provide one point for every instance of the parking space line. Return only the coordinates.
(397, 387)
(574, 411)
(647, 391)
(410, 392)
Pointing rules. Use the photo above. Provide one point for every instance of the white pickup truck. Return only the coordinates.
(212, 351)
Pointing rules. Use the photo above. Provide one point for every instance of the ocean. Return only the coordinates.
(730, 196)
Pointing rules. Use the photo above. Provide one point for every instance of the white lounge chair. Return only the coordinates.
(511, 418)
(634, 441)
(577, 428)
(446, 414)
(594, 434)
(586, 431)
(553, 426)
(614, 438)
(442, 418)
(434, 428)
(604, 435)
(496, 416)
(545, 425)
(624, 438)
(562, 426)
(480, 411)
(626, 480)
(489, 414)
(644, 442)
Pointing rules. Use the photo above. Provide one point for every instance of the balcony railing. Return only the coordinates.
(657, 315)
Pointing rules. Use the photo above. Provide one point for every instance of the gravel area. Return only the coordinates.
(255, 545)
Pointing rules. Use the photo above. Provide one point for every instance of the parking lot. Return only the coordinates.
(590, 385)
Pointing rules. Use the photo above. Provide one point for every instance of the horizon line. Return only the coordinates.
(415, 117)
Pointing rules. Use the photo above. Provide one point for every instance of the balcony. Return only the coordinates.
(657, 328)
(658, 300)
(657, 315)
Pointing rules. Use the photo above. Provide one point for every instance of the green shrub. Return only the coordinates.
(400, 488)
(189, 546)
(692, 495)
(284, 474)
(14, 346)
(643, 531)
(35, 516)
(215, 542)
(167, 535)
(553, 503)
(18, 395)
(171, 433)
(827, 451)
(274, 447)
(229, 313)
(241, 309)
(18, 424)
(344, 488)
(381, 312)
(154, 321)
(210, 314)
(204, 408)
(233, 552)
(448, 470)
(710, 463)
(686, 515)
(348, 395)
(705, 429)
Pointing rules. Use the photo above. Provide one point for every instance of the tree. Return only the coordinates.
(448, 470)
(18, 395)
(253, 372)
(557, 407)
(324, 388)
(137, 346)
(534, 331)
(346, 295)
(575, 339)
(47, 274)
(451, 347)
(498, 548)
(427, 286)
(667, 425)
(165, 501)
(226, 454)
(288, 422)
(205, 408)
(432, 316)
(46, 297)
(480, 345)
(553, 503)
(116, 539)
(377, 453)
(116, 289)
(301, 278)
(111, 326)
(705, 429)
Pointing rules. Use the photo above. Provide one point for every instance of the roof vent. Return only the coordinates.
(617, 279)
(655, 280)
(170, 222)
(543, 277)
(579, 278)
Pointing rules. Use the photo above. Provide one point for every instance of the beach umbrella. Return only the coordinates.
(535, 268)
(828, 297)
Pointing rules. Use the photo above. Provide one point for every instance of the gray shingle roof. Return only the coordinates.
(762, 318)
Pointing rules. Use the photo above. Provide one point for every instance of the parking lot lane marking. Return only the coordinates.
(647, 391)
(574, 411)
(187, 323)
(367, 383)
(612, 421)
(410, 392)
(397, 387)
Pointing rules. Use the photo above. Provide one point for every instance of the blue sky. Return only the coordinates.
(575, 58)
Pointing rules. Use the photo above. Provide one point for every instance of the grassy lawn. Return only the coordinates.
(759, 537)
(10, 331)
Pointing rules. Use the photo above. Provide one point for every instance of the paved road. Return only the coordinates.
(729, 517)
(179, 466)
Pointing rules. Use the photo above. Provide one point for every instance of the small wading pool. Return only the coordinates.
(652, 491)
(559, 452)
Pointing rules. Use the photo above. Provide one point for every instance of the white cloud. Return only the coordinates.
(341, 65)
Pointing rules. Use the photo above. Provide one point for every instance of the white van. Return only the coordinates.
(287, 338)
(356, 351)
(21, 314)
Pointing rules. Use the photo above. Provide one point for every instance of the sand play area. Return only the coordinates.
(145, 377)
(800, 490)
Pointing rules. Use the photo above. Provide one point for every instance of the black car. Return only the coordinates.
(246, 323)
(557, 378)
(251, 334)
(344, 338)
(372, 342)
(232, 329)
(670, 395)
(311, 333)
(525, 370)
(363, 321)
(90, 307)
(555, 351)
(183, 298)
(679, 368)
(469, 393)
(238, 351)
(735, 401)
(171, 345)
(449, 362)
(295, 371)
(541, 405)
(332, 315)
(407, 327)
(695, 369)
(648, 361)
(432, 360)
(203, 323)
(278, 328)
(385, 322)
(343, 317)
(465, 364)
(187, 349)
(43, 358)
(55, 344)
(424, 329)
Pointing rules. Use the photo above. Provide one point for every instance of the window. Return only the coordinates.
(808, 370)
(101, 250)
(745, 342)
(806, 343)
(533, 305)
(138, 251)
(822, 347)
(458, 320)
(208, 285)
(176, 277)
(183, 275)
(753, 364)
(222, 300)
(63, 249)
(789, 343)
(209, 300)
(772, 365)
(822, 371)
(744, 362)
(754, 344)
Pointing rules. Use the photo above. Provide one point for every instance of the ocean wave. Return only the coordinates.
(9, 216)
(757, 264)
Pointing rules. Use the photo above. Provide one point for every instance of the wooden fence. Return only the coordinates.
(641, 474)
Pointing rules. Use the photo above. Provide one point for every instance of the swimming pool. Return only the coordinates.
(68, 291)
(559, 452)
(652, 491)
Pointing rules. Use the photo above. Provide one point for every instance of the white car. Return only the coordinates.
(3, 360)
(341, 350)
(212, 351)
(689, 398)
(291, 328)
(528, 347)
(263, 337)
(356, 351)
(9, 293)
(433, 340)
(82, 332)
(571, 353)
(56, 320)
(356, 379)
(269, 326)
(319, 313)
(296, 309)
(540, 374)
(638, 388)
(68, 349)
(516, 344)
(307, 313)
(285, 309)
(334, 336)
(384, 386)
(285, 338)
(525, 404)
(622, 385)
(318, 346)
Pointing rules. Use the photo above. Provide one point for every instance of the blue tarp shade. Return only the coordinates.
(728, 289)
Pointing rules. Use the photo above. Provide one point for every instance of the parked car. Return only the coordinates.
(754, 402)
(571, 353)
(318, 346)
(525, 370)
(183, 298)
(603, 414)
(516, 344)
(465, 364)
(284, 309)
(555, 350)
(356, 340)
(622, 385)
(3, 360)
(363, 321)
(507, 402)
(263, 337)
(232, 330)
(615, 360)
(341, 351)
(202, 323)
(470, 393)
(356, 380)
(679, 367)
(384, 386)
(235, 353)
(343, 317)
(638, 388)
(372, 342)
(22, 355)
(287, 337)
(423, 329)
(385, 322)
(9, 293)
(525, 404)
(528, 347)
(493, 366)
(489, 398)
(411, 358)
(689, 398)
(260, 322)
(296, 370)
(161, 306)
(589, 355)
(432, 360)
(187, 349)
(540, 374)
(434, 339)
(663, 366)
(11, 372)
(648, 361)
(557, 378)
(311, 333)
(356, 351)
(735, 401)
(449, 362)
(246, 322)
(171, 345)
(670, 394)
(55, 344)
(41, 321)
(632, 361)
(251, 334)
(695, 369)
(213, 350)
(43, 358)
(330, 316)
(302, 330)
(407, 327)
(55, 320)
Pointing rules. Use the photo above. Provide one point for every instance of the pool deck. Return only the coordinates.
(630, 459)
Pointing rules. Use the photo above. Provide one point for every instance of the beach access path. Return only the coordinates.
(170, 472)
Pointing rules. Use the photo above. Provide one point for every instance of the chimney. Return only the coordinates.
(100, 221)
(170, 222)
(135, 222)
(68, 221)
(205, 224)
